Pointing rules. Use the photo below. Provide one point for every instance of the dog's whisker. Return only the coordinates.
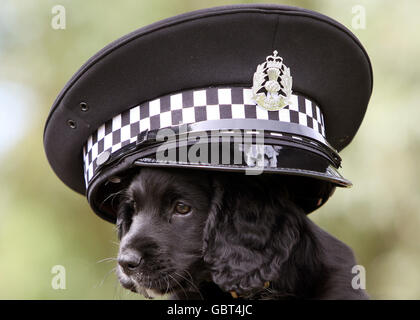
(185, 293)
(139, 289)
(106, 277)
(114, 242)
(167, 284)
(189, 274)
(121, 193)
(111, 195)
(193, 284)
(117, 290)
(107, 260)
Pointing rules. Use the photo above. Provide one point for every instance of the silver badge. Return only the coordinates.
(272, 87)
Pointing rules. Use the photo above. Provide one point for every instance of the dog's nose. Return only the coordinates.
(129, 262)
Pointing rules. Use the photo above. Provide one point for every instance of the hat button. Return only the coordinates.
(103, 157)
(84, 106)
(71, 123)
(114, 179)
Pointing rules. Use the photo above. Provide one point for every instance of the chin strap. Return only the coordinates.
(236, 296)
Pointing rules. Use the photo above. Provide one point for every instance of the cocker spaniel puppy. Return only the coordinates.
(204, 235)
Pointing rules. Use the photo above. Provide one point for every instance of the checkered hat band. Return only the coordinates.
(191, 107)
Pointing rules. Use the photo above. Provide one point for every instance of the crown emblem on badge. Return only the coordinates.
(272, 84)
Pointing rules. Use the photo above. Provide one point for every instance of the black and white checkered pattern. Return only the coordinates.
(190, 107)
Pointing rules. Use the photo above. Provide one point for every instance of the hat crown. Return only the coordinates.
(274, 61)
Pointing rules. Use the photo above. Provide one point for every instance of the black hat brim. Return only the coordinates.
(291, 161)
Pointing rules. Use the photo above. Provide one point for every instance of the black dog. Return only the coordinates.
(203, 235)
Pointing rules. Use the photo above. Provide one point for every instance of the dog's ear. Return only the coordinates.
(250, 234)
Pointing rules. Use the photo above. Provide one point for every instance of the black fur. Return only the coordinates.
(242, 232)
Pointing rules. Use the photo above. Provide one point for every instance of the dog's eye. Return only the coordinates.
(182, 208)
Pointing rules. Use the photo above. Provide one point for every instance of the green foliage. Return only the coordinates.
(43, 223)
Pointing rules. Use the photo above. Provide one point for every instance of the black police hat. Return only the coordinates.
(296, 78)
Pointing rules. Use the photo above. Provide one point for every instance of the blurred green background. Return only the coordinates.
(43, 223)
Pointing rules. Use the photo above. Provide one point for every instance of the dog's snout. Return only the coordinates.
(130, 261)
